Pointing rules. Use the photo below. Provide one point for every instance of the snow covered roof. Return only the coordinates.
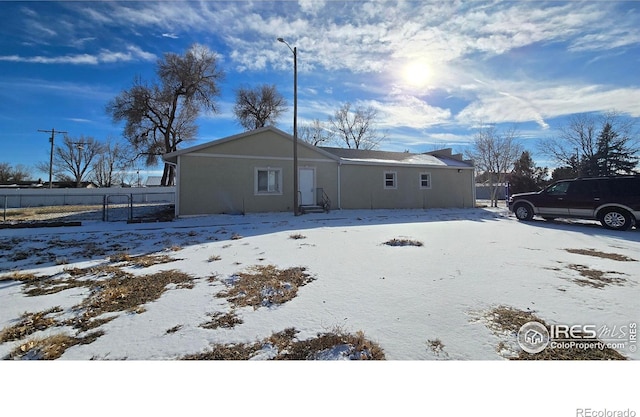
(442, 157)
(153, 181)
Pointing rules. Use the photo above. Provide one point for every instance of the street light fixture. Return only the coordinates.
(295, 125)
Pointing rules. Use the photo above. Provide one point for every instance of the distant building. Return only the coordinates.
(153, 181)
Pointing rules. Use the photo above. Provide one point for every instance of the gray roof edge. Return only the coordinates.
(172, 156)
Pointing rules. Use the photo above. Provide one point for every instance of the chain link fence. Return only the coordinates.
(73, 205)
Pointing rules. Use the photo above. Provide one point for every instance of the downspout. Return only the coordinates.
(176, 197)
(473, 186)
(339, 188)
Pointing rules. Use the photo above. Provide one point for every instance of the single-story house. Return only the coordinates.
(253, 172)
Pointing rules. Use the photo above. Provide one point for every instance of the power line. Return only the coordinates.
(51, 139)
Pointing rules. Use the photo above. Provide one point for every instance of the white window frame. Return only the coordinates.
(394, 179)
(277, 190)
(420, 183)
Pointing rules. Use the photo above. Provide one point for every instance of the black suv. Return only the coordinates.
(614, 201)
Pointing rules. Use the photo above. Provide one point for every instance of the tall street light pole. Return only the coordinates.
(295, 125)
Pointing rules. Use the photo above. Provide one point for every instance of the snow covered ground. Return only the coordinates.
(418, 303)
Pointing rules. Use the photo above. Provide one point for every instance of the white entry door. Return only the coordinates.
(306, 186)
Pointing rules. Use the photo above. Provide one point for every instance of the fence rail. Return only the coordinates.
(107, 204)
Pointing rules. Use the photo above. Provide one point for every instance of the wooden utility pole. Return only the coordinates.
(51, 139)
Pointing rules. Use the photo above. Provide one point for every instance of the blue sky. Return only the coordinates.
(529, 64)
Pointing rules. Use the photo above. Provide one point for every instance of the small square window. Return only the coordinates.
(425, 180)
(390, 179)
(268, 181)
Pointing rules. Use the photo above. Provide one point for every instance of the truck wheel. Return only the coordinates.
(615, 219)
(523, 211)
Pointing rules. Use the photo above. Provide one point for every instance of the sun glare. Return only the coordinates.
(416, 74)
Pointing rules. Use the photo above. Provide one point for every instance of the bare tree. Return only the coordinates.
(160, 116)
(357, 127)
(315, 133)
(259, 107)
(72, 160)
(13, 174)
(495, 153)
(109, 167)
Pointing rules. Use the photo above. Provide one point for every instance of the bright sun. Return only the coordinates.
(416, 73)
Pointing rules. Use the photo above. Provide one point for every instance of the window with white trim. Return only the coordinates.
(390, 179)
(425, 180)
(268, 181)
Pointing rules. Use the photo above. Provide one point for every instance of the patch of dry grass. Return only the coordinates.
(504, 319)
(509, 319)
(595, 278)
(72, 278)
(287, 347)
(437, 347)
(593, 252)
(30, 323)
(140, 261)
(51, 286)
(403, 242)
(20, 276)
(355, 347)
(128, 292)
(264, 286)
(229, 352)
(174, 329)
(112, 290)
(51, 347)
(224, 320)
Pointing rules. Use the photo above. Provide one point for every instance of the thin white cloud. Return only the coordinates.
(408, 111)
(67, 59)
(549, 101)
(104, 56)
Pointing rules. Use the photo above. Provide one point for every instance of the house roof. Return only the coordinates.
(173, 156)
(442, 157)
(153, 181)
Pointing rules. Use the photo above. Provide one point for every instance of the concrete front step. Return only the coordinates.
(311, 209)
